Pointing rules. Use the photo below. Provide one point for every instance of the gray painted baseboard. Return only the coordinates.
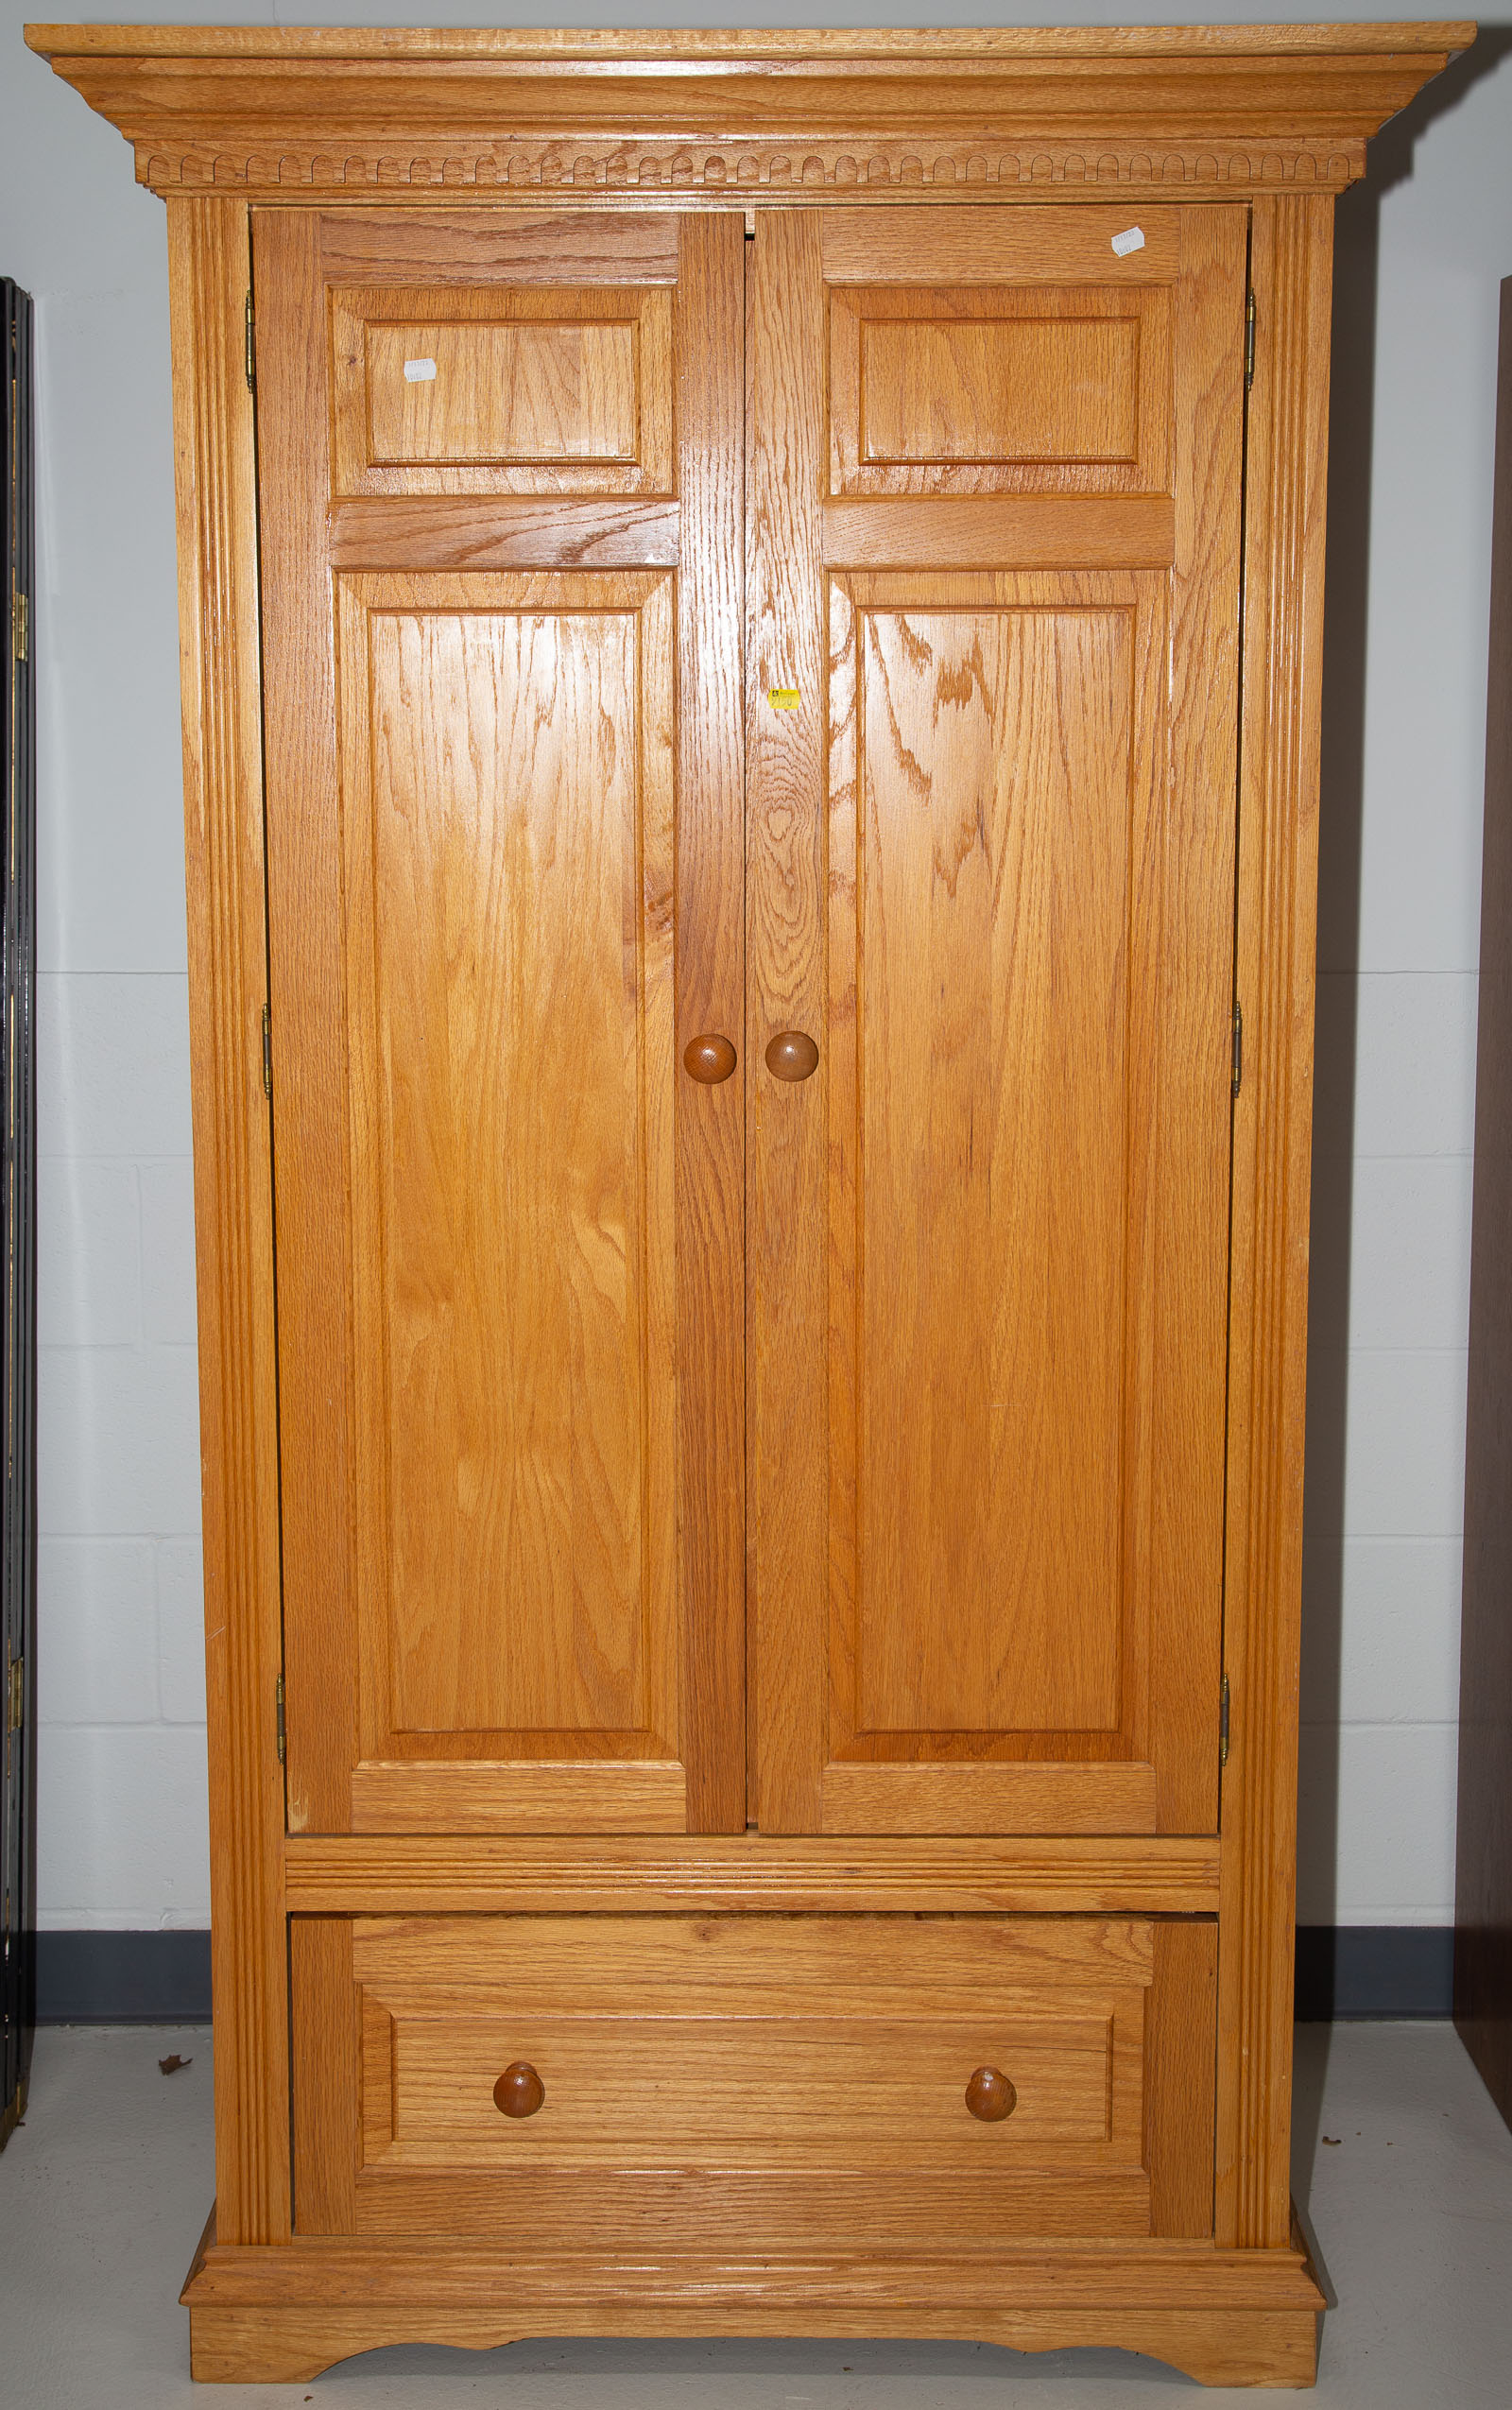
(123, 1978)
(1374, 1970)
(163, 1978)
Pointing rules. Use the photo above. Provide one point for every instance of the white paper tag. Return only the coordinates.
(1131, 239)
(421, 371)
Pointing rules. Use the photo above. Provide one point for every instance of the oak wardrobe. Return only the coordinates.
(750, 616)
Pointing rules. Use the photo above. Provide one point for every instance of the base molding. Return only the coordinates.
(281, 2313)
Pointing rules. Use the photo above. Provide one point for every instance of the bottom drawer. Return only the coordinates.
(785, 2076)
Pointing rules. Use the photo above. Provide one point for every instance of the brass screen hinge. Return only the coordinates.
(16, 1695)
(1250, 337)
(267, 1051)
(1236, 1058)
(1223, 1723)
(283, 1738)
(21, 623)
(251, 347)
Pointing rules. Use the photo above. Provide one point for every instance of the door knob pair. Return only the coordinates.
(791, 1054)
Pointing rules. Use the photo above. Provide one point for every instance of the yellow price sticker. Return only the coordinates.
(783, 698)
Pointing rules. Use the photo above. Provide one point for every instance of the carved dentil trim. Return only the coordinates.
(663, 167)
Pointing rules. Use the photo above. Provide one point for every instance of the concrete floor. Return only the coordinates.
(105, 2188)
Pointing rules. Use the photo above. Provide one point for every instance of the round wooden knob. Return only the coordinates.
(792, 1055)
(708, 1058)
(989, 2095)
(519, 2090)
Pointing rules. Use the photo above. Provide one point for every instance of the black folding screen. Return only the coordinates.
(18, 1312)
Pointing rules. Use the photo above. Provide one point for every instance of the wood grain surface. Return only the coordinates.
(508, 807)
(1291, 267)
(215, 477)
(1056, 1876)
(749, 2043)
(1022, 1092)
(325, 2016)
(630, 117)
(500, 388)
(953, 389)
(785, 1238)
(710, 995)
(478, 865)
(669, 594)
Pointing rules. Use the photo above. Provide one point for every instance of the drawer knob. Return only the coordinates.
(709, 1060)
(520, 2090)
(989, 2095)
(792, 1055)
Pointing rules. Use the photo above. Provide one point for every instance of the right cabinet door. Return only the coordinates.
(993, 572)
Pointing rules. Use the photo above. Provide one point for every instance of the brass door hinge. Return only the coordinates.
(20, 622)
(278, 1701)
(1236, 1058)
(1223, 1723)
(16, 1695)
(267, 1051)
(251, 347)
(1249, 338)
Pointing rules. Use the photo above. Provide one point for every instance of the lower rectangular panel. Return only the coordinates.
(781, 2082)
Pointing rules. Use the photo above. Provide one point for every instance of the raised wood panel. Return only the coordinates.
(1031, 388)
(508, 790)
(790, 2093)
(866, 2034)
(498, 394)
(495, 389)
(987, 1341)
(999, 389)
(981, 1130)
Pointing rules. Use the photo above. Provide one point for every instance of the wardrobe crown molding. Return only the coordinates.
(994, 113)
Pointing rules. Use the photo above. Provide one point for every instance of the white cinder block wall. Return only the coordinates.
(122, 1820)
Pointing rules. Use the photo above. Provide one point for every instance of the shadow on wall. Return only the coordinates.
(1350, 433)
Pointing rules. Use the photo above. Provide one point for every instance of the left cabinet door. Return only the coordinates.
(500, 480)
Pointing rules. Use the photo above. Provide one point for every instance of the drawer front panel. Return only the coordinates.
(728, 2059)
(750, 2093)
